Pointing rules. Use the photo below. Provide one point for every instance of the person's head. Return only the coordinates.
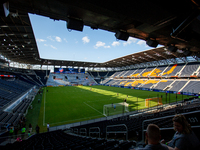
(180, 124)
(153, 134)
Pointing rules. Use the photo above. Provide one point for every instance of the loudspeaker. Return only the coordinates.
(4, 9)
(152, 43)
(187, 53)
(172, 48)
(122, 35)
(75, 24)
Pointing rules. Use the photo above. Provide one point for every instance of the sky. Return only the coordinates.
(55, 41)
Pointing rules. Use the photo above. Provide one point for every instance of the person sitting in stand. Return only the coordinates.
(153, 139)
(184, 138)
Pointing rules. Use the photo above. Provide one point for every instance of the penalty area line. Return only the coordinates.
(92, 108)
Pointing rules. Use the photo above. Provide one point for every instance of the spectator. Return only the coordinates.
(19, 139)
(23, 130)
(184, 138)
(153, 139)
(29, 133)
(48, 127)
(11, 131)
(30, 128)
(37, 129)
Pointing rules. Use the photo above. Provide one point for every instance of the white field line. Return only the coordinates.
(93, 108)
(44, 107)
(75, 119)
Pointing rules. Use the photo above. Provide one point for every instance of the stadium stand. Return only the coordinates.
(157, 71)
(162, 84)
(148, 71)
(56, 79)
(137, 72)
(172, 70)
(192, 87)
(149, 83)
(61, 140)
(170, 73)
(132, 122)
(42, 75)
(177, 85)
(189, 69)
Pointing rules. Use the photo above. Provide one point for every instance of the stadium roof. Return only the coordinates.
(169, 23)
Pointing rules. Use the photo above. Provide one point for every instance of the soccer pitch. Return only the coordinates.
(63, 105)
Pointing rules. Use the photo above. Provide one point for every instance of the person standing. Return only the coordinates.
(37, 129)
(48, 127)
(30, 128)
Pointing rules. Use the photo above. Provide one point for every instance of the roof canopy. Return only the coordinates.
(169, 23)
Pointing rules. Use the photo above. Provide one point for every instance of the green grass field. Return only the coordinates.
(63, 105)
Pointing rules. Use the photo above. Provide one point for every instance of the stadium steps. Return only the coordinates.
(179, 73)
(169, 86)
(163, 71)
(184, 86)
(197, 72)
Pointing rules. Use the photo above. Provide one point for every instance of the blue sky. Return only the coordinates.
(55, 41)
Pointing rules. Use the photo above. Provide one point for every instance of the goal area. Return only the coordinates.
(115, 108)
(154, 101)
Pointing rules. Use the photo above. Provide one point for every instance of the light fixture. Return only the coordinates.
(75, 24)
(172, 48)
(187, 52)
(120, 35)
(152, 43)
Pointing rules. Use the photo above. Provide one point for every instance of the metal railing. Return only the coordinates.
(110, 126)
(98, 132)
(83, 131)
(171, 116)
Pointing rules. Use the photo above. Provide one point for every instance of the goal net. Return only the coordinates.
(154, 101)
(115, 108)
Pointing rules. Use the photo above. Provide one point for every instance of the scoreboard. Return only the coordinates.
(68, 70)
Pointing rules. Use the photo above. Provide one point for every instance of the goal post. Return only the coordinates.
(115, 108)
(155, 101)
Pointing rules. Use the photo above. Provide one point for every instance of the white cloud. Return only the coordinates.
(85, 39)
(45, 45)
(41, 40)
(58, 39)
(130, 40)
(49, 37)
(99, 44)
(115, 43)
(107, 46)
(141, 42)
(53, 47)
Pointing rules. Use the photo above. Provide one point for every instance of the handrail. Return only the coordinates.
(117, 131)
(162, 118)
(94, 131)
(85, 131)
(76, 130)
